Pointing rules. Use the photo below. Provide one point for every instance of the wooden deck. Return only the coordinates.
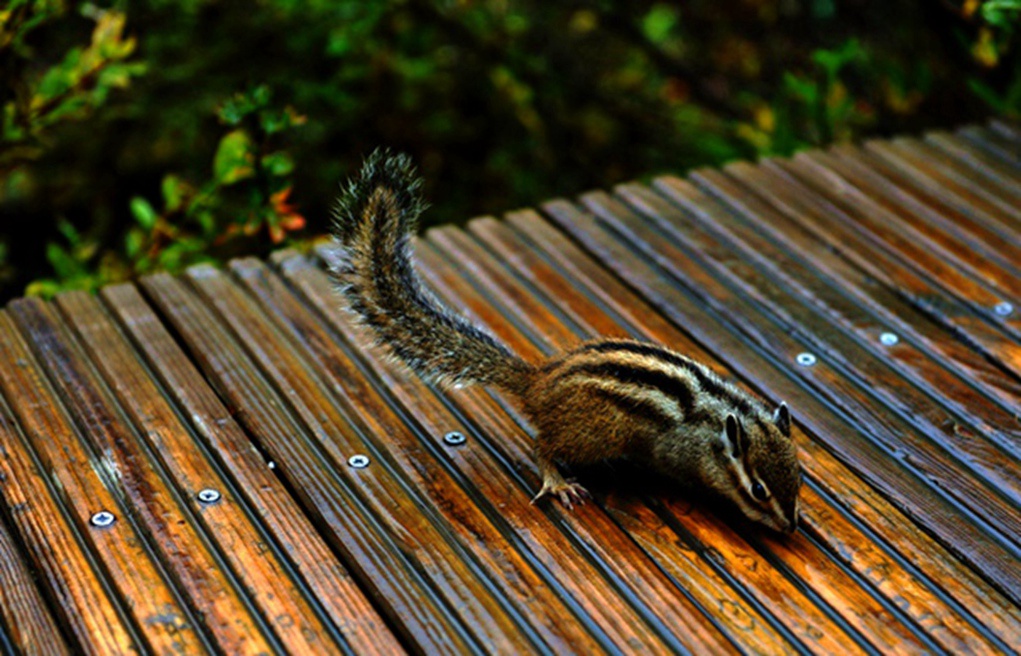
(214, 417)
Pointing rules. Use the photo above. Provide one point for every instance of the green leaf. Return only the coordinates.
(659, 22)
(278, 164)
(133, 242)
(174, 190)
(71, 234)
(231, 113)
(61, 261)
(47, 288)
(233, 160)
(260, 96)
(806, 90)
(59, 78)
(143, 212)
(1001, 13)
(832, 61)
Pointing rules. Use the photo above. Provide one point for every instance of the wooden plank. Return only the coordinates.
(291, 532)
(463, 577)
(936, 212)
(970, 318)
(376, 548)
(951, 271)
(687, 253)
(923, 161)
(535, 533)
(944, 236)
(1007, 129)
(26, 624)
(680, 531)
(870, 517)
(239, 543)
(257, 383)
(65, 573)
(995, 145)
(858, 278)
(752, 570)
(858, 304)
(835, 429)
(861, 360)
(169, 528)
(513, 569)
(74, 552)
(985, 166)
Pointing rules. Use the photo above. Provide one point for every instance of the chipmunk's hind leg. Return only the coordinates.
(553, 483)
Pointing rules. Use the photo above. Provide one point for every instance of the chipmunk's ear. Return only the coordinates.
(782, 419)
(735, 436)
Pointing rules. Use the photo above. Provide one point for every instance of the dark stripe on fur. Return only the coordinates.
(707, 380)
(638, 408)
(630, 375)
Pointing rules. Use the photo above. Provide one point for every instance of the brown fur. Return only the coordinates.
(605, 399)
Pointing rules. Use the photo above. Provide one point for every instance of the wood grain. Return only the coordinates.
(169, 528)
(73, 554)
(26, 622)
(903, 487)
(265, 495)
(376, 548)
(256, 382)
(747, 566)
(873, 519)
(951, 298)
(859, 306)
(535, 537)
(789, 329)
(241, 545)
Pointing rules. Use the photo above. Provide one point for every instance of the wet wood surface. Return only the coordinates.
(214, 416)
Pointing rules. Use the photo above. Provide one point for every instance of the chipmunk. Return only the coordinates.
(605, 399)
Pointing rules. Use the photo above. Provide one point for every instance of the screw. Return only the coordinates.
(889, 339)
(453, 438)
(805, 359)
(1003, 309)
(102, 519)
(209, 495)
(358, 461)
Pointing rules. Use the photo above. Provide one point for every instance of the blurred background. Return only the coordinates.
(160, 133)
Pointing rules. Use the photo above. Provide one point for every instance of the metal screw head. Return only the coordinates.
(102, 519)
(358, 461)
(1003, 309)
(453, 438)
(888, 339)
(209, 495)
(805, 359)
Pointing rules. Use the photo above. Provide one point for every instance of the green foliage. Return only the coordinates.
(126, 149)
(994, 48)
(828, 109)
(1002, 14)
(38, 102)
(245, 196)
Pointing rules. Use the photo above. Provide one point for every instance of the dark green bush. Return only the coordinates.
(155, 134)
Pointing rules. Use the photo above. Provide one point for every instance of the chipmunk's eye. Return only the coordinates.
(758, 491)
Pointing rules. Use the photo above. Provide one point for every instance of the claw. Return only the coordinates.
(568, 492)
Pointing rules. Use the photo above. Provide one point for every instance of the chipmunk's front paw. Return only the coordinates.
(568, 492)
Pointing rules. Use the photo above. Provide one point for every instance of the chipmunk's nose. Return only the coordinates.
(792, 525)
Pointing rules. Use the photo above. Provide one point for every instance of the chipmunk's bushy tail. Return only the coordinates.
(374, 221)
